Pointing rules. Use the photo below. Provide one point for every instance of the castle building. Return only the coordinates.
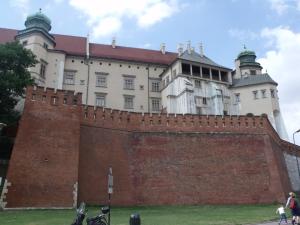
(148, 81)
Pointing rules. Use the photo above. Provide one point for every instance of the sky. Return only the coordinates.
(271, 28)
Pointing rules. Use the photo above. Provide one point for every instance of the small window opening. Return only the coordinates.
(205, 73)
(196, 71)
(186, 69)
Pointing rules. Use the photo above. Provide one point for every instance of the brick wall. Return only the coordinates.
(44, 163)
(156, 159)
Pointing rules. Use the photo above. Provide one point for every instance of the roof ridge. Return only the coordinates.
(122, 46)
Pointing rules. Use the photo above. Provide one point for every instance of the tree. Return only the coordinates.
(14, 77)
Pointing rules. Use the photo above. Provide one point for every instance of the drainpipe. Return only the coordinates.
(88, 82)
(87, 62)
(148, 75)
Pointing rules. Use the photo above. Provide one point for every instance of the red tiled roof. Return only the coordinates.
(73, 45)
(7, 35)
(70, 44)
(132, 54)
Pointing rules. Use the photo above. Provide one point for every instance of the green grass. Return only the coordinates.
(154, 215)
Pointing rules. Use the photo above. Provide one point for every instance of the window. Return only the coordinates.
(155, 104)
(43, 70)
(167, 80)
(263, 93)
(186, 68)
(101, 80)
(174, 73)
(237, 97)
(196, 70)
(252, 72)
(204, 101)
(199, 110)
(129, 83)
(141, 87)
(205, 73)
(82, 82)
(24, 43)
(224, 76)
(215, 74)
(272, 93)
(100, 99)
(69, 77)
(198, 83)
(155, 86)
(45, 45)
(255, 95)
(128, 102)
(198, 101)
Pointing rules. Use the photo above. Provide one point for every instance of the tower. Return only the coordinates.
(37, 38)
(246, 65)
(254, 92)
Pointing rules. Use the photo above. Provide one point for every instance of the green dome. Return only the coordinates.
(246, 53)
(247, 59)
(38, 20)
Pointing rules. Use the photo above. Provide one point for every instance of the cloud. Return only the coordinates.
(243, 35)
(282, 6)
(282, 63)
(22, 5)
(105, 18)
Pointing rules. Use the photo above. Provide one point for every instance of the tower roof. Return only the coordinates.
(246, 53)
(253, 80)
(247, 59)
(38, 20)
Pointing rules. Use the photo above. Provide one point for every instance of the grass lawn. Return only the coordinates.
(154, 215)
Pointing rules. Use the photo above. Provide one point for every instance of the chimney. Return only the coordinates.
(113, 42)
(163, 48)
(180, 49)
(188, 47)
(201, 49)
(88, 46)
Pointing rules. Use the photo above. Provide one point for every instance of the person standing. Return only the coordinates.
(294, 207)
(282, 214)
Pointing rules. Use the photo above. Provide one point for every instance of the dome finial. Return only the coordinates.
(40, 10)
(245, 47)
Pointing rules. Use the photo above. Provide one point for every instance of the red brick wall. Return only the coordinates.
(176, 168)
(156, 159)
(44, 163)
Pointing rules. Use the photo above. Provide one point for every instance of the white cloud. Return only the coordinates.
(145, 13)
(109, 24)
(282, 6)
(243, 35)
(282, 63)
(22, 5)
